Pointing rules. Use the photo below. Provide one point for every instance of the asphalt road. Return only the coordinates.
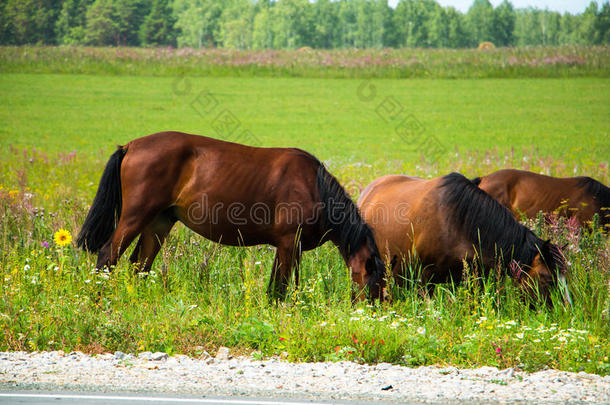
(38, 398)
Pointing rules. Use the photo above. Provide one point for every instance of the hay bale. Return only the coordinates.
(484, 46)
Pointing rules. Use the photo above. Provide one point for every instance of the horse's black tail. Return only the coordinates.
(476, 180)
(106, 208)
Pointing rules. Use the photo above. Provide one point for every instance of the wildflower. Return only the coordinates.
(421, 330)
(62, 237)
(44, 244)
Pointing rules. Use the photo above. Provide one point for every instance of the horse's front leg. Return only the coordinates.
(287, 256)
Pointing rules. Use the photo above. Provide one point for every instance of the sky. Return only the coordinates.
(571, 6)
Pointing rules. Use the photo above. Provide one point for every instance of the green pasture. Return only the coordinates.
(58, 130)
(344, 119)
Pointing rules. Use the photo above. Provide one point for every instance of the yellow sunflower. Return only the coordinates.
(62, 237)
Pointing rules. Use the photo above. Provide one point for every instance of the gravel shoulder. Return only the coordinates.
(226, 376)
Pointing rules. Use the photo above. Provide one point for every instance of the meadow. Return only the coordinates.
(562, 61)
(60, 127)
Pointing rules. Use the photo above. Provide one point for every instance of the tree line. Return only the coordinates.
(281, 24)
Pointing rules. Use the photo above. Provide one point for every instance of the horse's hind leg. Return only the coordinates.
(151, 240)
(131, 223)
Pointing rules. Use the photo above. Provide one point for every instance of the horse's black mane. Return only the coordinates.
(599, 191)
(342, 220)
(490, 226)
(341, 216)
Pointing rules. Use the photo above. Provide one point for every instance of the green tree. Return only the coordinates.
(6, 34)
(412, 19)
(438, 28)
(550, 25)
(527, 27)
(291, 23)
(567, 29)
(587, 28)
(262, 34)
(130, 15)
(30, 21)
(70, 26)
(364, 24)
(349, 26)
(457, 34)
(102, 24)
(504, 24)
(602, 25)
(158, 26)
(381, 23)
(327, 28)
(198, 22)
(237, 24)
(481, 19)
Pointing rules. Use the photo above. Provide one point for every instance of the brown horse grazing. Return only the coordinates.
(527, 193)
(443, 221)
(229, 193)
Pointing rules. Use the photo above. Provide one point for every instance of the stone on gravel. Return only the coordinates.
(144, 355)
(157, 356)
(222, 353)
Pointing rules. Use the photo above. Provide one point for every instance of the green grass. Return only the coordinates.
(551, 117)
(202, 295)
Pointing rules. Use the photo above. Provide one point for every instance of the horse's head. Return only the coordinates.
(368, 269)
(547, 270)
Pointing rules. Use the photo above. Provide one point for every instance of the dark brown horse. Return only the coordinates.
(231, 194)
(527, 193)
(443, 221)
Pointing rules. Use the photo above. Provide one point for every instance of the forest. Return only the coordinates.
(292, 24)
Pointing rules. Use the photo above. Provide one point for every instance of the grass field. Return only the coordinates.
(58, 130)
(335, 119)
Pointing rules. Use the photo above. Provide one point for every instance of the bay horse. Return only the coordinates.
(443, 221)
(229, 193)
(527, 193)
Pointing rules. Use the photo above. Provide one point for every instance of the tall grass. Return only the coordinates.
(200, 295)
(565, 61)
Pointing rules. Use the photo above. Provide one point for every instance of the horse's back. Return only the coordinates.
(527, 193)
(397, 207)
(224, 184)
(383, 183)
